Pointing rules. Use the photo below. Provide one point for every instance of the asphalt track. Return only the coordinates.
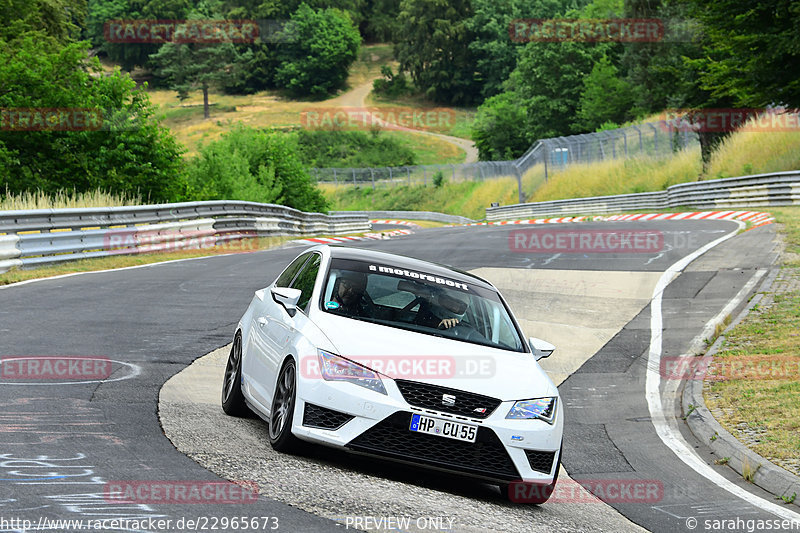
(60, 444)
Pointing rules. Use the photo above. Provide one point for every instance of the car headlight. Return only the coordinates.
(335, 368)
(541, 408)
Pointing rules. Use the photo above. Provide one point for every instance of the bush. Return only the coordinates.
(322, 46)
(253, 165)
(128, 151)
(391, 85)
(438, 179)
(339, 148)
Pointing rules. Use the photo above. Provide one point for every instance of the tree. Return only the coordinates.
(752, 51)
(433, 46)
(606, 97)
(186, 67)
(129, 55)
(122, 148)
(254, 165)
(323, 45)
(381, 19)
(495, 54)
(500, 128)
(58, 19)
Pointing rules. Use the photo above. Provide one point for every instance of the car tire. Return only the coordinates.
(232, 398)
(282, 412)
(533, 494)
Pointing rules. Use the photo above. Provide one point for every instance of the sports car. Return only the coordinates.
(403, 359)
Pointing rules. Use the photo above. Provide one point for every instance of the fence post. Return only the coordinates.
(546, 156)
(372, 175)
(408, 175)
(424, 177)
(454, 172)
(334, 177)
(354, 176)
(519, 183)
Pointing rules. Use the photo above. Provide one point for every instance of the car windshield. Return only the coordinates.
(417, 301)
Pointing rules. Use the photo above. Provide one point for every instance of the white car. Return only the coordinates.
(398, 358)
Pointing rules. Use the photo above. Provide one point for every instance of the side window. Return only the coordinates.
(305, 282)
(288, 275)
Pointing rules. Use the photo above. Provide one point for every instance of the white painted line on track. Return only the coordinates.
(666, 427)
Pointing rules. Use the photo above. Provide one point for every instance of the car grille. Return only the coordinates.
(315, 416)
(541, 461)
(431, 397)
(486, 457)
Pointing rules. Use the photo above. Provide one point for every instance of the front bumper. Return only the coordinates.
(352, 417)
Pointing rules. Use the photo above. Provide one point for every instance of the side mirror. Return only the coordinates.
(540, 348)
(286, 297)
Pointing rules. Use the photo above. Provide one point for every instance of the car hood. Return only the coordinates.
(401, 354)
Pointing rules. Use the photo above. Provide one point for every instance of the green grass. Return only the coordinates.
(429, 150)
(748, 153)
(758, 389)
(620, 176)
(272, 109)
(469, 199)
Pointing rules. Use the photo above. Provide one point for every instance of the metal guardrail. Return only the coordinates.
(413, 215)
(775, 189)
(31, 238)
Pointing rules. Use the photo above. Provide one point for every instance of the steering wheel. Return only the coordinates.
(467, 333)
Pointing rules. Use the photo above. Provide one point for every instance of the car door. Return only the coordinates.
(278, 334)
(264, 346)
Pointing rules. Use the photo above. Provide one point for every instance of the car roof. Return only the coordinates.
(408, 263)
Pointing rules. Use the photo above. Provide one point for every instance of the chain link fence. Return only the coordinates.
(653, 139)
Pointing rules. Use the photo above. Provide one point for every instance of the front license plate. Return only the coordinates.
(443, 428)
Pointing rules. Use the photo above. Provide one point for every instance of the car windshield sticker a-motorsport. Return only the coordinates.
(331, 305)
(421, 276)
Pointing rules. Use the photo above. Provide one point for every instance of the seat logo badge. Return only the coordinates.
(449, 400)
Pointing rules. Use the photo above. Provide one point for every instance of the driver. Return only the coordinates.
(445, 310)
(351, 295)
